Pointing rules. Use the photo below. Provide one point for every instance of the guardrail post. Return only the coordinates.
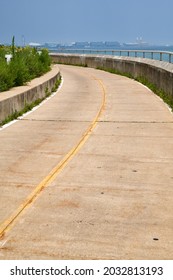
(160, 56)
(170, 58)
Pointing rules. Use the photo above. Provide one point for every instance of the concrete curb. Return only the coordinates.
(17, 98)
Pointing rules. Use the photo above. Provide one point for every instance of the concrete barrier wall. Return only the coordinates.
(17, 98)
(158, 73)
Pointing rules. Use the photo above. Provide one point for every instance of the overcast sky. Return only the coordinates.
(67, 21)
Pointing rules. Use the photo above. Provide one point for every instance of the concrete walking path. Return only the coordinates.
(89, 175)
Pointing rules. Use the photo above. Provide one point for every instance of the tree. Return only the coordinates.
(13, 46)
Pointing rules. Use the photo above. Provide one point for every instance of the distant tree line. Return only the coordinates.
(26, 64)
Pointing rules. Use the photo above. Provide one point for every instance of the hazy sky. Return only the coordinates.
(86, 20)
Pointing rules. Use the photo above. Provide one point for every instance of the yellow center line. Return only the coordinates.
(8, 223)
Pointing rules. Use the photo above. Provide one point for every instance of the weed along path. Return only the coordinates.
(89, 174)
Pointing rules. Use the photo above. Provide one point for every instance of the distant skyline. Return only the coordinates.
(68, 21)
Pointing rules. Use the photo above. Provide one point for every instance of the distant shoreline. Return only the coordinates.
(101, 45)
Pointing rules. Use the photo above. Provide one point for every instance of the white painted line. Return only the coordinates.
(2, 243)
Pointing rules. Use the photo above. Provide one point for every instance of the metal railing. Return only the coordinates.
(150, 54)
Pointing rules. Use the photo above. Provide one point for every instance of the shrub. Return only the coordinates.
(45, 60)
(6, 79)
(27, 63)
(19, 71)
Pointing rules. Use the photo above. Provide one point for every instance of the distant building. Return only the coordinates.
(113, 44)
(80, 44)
(97, 44)
(138, 44)
(34, 45)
